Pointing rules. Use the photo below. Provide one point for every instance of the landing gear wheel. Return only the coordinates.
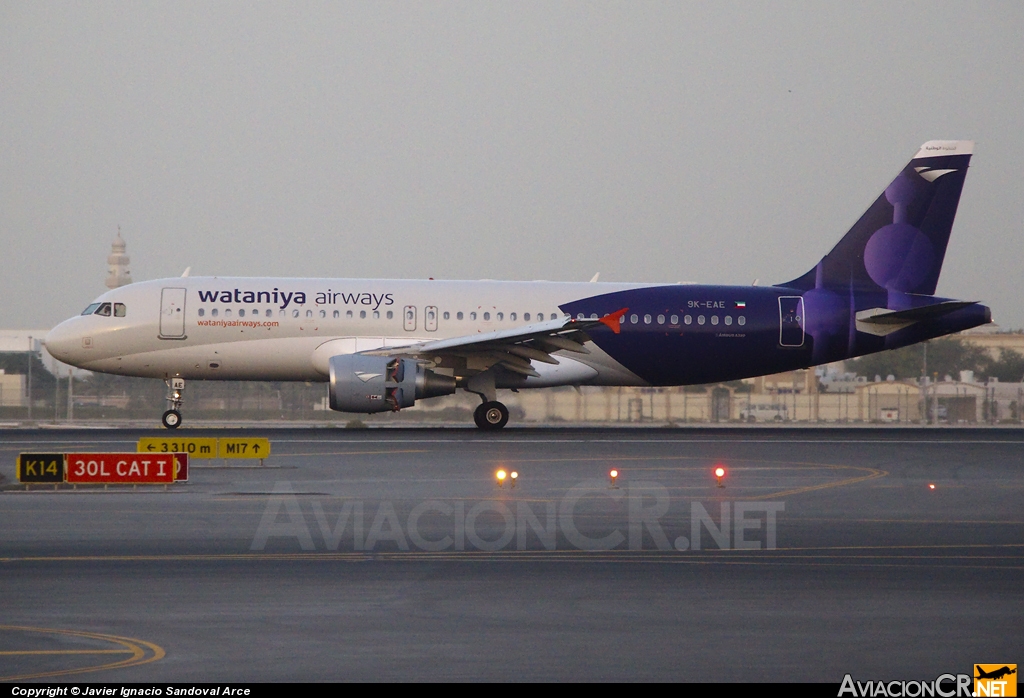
(491, 416)
(171, 419)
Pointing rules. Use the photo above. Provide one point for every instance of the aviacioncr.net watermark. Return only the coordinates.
(589, 516)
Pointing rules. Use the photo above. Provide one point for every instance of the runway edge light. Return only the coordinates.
(613, 475)
(719, 474)
(501, 475)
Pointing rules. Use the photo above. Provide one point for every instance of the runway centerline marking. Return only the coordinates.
(141, 651)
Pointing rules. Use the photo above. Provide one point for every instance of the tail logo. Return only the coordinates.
(931, 174)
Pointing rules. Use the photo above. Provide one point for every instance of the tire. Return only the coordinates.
(491, 416)
(171, 419)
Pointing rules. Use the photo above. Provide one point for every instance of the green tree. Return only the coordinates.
(1008, 368)
(946, 356)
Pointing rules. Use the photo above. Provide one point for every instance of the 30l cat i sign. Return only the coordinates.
(121, 468)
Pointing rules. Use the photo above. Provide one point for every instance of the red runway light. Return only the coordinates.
(719, 472)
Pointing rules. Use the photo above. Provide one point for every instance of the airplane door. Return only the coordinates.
(409, 318)
(791, 321)
(430, 318)
(172, 313)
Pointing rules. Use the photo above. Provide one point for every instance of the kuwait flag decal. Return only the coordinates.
(740, 305)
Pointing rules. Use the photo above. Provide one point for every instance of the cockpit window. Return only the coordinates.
(104, 310)
(91, 309)
(120, 310)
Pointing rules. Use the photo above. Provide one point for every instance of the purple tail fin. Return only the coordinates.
(899, 243)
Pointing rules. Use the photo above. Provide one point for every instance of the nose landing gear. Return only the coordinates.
(175, 390)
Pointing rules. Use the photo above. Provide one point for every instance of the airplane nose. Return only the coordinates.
(62, 341)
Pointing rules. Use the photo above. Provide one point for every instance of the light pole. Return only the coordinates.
(31, 347)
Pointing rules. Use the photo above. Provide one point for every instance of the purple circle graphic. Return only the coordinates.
(901, 191)
(898, 257)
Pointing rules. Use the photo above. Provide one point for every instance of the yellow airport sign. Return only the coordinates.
(244, 448)
(195, 447)
(41, 467)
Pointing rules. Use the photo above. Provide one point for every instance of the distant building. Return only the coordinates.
(118, 274)
(992, 339)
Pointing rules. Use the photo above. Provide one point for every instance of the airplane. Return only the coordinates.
(381, 345)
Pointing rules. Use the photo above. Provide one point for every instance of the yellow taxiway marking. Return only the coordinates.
(141, 652)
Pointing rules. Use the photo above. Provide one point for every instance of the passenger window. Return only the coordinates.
(728, 319)
(348, 314)
(119, 310)
(674, 319)
(700, 319)
(741, 320)
(309, 313)
(390, 315)
(512, 317)
(634, 318)
(458, 315)
(501, 316)
(526, 316)
(447, 315)
(661, 319)
(270, 313)
(362, 314)
(227, 312)
(472, 316)
(323, 313)
(714, 319)
(241, 312)
(376, 315)
(593, 316)
(487, 316)
(214, 312)
(337, 314)
(580, 316)
(104, 310)
(688, 320)
(90, 309)
(282, 313)
(295, 313)
(647, 319)
(202, 312)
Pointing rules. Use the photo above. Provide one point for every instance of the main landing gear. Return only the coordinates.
(175, 390)
(491, 415)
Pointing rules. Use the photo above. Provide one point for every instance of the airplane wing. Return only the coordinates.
(512, 349)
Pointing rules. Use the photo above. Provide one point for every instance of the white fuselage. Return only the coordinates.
(234, 328)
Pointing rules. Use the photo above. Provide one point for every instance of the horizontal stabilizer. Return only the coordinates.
(882, 321)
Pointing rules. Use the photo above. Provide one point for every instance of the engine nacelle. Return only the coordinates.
(381, 383)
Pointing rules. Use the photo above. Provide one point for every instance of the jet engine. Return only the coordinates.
(382, 383)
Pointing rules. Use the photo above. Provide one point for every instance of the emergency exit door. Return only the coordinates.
(172, 313)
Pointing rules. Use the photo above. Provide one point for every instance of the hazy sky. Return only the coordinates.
(707, 142)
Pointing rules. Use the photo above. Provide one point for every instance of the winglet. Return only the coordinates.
(614, 320)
